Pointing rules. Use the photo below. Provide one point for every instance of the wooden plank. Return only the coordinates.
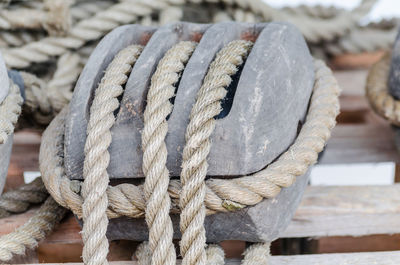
(347, 211)
(366, 258)
(361, 143)
(324, 211)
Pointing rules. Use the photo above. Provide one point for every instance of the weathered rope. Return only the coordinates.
(92, 28)
(29, 234)
(221, 194)
(197, 147)
(363, 40)
(54, 18)
(158, 202)
(97, 157)
(377, 91)
(86, 30)
(257, 254)
(18, 200)
(10, 109)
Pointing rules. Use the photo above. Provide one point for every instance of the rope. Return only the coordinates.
(197, 147)
(158, 202)
(97, 157)
(18, 201)
(10, 109)
(29, 234)
(378, 94)
(257, 254)
(363, 40)
(92, 28)
(55, 20)
(86, 30)
(222, 195)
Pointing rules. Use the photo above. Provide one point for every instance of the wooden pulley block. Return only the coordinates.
(5, 148)
(265, 106)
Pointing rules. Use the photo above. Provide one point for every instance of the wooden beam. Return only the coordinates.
(361, 143)
(324, 211)
(347, 211)
(366, 258)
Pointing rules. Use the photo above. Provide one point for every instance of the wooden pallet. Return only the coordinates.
(336, 218)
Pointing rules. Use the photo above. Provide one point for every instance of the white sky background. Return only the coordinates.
(383, 9)
(351, 174)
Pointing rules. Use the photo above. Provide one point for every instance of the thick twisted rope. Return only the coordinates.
(97, 157)
(59, 88)
(55, 19)
(257, 254)
(19, 200)
(10, 109)
(378, 94)
(197, 147)
(158, 202)
(86, 30)
(222, 195)
(29, 234)
(314, 30)
(363, 40)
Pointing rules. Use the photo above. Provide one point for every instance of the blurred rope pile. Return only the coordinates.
(52, 39)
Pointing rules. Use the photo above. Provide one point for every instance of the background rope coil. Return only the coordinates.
(377, 91)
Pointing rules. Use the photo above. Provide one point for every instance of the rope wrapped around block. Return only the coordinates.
(222, 195)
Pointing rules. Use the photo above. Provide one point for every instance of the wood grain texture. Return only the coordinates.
(324, 211)
(368, 258)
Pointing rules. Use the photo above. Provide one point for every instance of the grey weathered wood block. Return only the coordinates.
(394, 81)
(4, 89)
(394, 76)
(270, 102)
(5, 148)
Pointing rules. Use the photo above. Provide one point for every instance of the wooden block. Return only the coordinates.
(271, 97)
(394, 75)
(5, 148)
(5, 87)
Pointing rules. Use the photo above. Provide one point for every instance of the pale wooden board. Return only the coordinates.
(324, 211)
(347, 211)
(361, 143)
(367, 258)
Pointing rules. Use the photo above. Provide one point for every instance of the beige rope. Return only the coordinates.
(257, 254)
(28, 235)
(97, 158)
(18, 201)
(54, 18)
(92, 28)
(197, 147)
(221, 194)
(10, 109)
(158, 202)
(86, 30)
(59, 88)
(378, 93)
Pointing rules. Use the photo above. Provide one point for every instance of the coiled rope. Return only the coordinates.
(378, 94)
(89, 28)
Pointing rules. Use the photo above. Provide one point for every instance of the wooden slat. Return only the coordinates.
(324, 211)
(347, 211)
(367, 258)
(361, 143)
